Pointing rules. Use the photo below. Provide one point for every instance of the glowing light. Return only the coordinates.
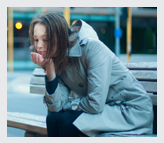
(73, 22)
(18, 25)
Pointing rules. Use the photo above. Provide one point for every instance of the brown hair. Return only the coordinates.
(57, 32)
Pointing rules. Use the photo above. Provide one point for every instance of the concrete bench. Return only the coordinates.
(145, 72)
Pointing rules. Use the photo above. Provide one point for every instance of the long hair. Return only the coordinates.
(57, 32)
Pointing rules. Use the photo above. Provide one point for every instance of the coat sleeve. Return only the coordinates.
(99, 66)
(59, 98)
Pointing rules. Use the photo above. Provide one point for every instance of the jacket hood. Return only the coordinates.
(80, 32)
(86, 31)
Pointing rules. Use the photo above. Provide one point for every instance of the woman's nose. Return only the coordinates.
(40, 45)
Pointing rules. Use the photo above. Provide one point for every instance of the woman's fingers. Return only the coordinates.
(37, 58)
(40, 59)
(33, 58)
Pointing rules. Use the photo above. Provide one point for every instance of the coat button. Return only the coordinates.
(81, 85)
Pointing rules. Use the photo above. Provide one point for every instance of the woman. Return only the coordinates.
(109, 99)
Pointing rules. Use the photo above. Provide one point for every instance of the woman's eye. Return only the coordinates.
(36, 40)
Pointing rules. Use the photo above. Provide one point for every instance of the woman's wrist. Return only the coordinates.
(50, 71)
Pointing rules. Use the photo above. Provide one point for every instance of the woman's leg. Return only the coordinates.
(65, 124)
(52, 123)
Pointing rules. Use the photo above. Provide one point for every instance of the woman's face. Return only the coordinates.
(40, 38)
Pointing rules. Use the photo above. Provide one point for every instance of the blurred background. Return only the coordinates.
(110, 23)
(130, 32)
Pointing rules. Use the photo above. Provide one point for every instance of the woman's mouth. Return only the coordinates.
(41, 52)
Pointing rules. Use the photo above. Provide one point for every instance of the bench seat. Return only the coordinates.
(27, 121)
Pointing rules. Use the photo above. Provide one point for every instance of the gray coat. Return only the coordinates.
(112, 99)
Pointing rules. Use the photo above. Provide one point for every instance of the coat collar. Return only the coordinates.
(75, 51)
(81, 30)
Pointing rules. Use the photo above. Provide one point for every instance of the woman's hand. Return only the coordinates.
(50, 69)
(37, 58)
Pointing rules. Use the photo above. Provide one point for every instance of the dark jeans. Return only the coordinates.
(59, 124)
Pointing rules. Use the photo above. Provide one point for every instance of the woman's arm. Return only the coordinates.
(56, 91)
(50, 69)
(58, 97)
(98, 59)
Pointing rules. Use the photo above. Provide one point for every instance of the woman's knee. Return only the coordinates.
(65, 124)
(67, 118)
(52, 124)
(52, 117)
(62, 120)
(48, 118)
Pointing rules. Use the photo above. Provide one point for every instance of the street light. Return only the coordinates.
(18, 25)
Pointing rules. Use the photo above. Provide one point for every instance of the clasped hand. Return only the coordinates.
(38, 59)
